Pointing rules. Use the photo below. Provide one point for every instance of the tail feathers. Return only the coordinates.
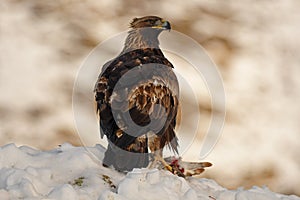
(169, 138)
(123, 160)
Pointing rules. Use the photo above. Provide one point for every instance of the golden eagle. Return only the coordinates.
(147, 96)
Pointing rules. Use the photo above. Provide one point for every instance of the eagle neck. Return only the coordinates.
(141, 39)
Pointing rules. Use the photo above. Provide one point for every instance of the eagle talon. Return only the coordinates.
(169, 168)
(174, 170)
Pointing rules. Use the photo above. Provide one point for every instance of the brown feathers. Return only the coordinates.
(141, 82)
(143, 22)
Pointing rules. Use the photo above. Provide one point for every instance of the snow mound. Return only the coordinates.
(70, 172)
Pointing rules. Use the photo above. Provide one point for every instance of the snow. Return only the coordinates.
(69, 172)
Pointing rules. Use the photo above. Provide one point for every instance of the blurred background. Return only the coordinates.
(255, 45)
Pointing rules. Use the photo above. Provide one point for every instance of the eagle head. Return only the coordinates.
(150, 22)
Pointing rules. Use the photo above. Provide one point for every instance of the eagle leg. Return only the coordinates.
(159, 159)
(157, 152)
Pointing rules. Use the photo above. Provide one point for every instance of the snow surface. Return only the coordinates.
(70, 172)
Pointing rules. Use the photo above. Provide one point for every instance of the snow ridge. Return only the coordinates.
(70, 172)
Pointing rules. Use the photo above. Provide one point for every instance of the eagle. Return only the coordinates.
(137, 100)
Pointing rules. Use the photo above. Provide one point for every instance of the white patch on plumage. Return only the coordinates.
(113, 95)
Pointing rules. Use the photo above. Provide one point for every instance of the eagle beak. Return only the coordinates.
(166, 25)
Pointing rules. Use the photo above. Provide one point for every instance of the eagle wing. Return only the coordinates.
(148, 95)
